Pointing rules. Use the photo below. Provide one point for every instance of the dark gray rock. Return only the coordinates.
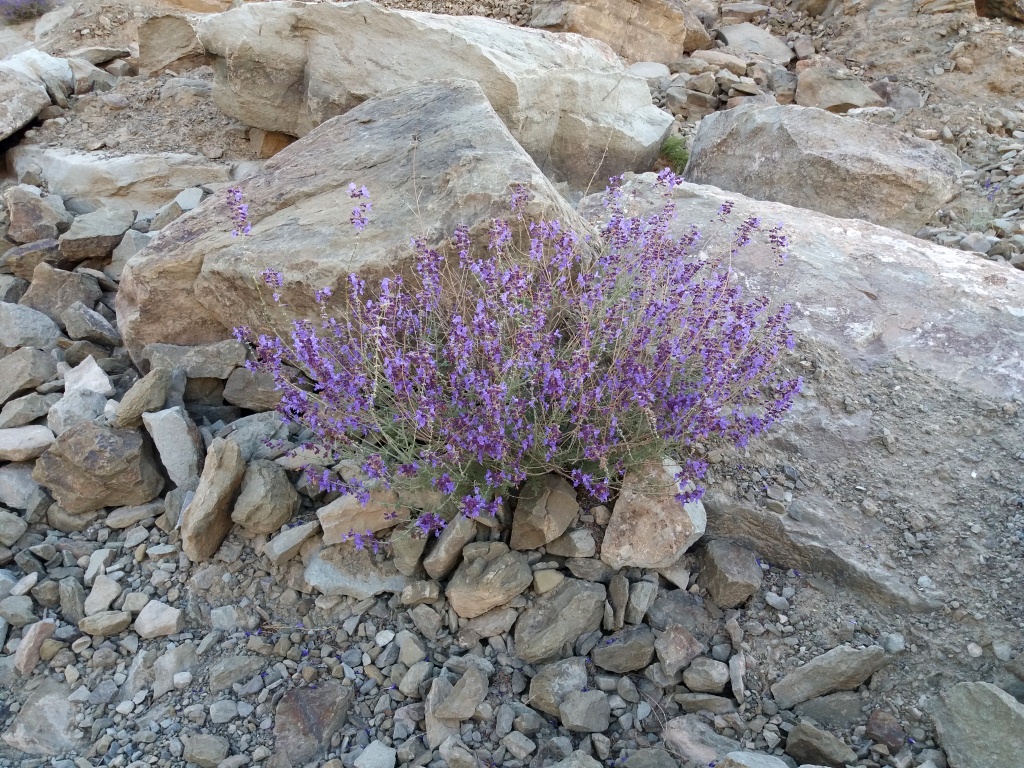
(556, 619)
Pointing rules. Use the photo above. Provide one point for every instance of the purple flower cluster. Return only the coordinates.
(359, 218)
(239, 212)
(579, 357)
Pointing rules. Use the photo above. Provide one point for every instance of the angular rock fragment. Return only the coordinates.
(649, 527)
(627, 650)
(554, 681)
(22, 326)
(558, 618)
(95, 235)
(808, 744)
(206, 521)
(489, 576)
(547, 505)
(729, 573)
(91, 466)
(979, 725)
(24, 369)
(179, 444)
(841, 669)
(54, 291)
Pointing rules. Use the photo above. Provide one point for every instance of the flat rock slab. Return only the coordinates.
(689, 735)
(345, 570)
(88, 179)
(46, 723)
(841, 669)
(871, 295)
(979, 725)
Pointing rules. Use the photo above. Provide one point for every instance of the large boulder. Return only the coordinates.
(195, 282)
(870, 297)
(813, 159)
(568, 100)
(21, 99)
(28, 80)
(649, 30)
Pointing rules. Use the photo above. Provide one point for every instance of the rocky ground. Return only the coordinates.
(856, 600)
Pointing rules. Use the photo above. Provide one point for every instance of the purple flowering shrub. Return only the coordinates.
(23, 10)
(583, 358)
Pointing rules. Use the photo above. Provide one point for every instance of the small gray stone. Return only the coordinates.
(642, 595)
(24, 369)
(24, 443)
(267, 499)
(377, 755)
(11, 527)
(54, 290)
(676, 648)
(842, 668)
(808, 744)
(106, 623)
(26, 409)
(17, 610)
(489, 577)
(465, 697)
(554, 681)
(706, 675)
(158, 619)
(558, 618)
(95, 235)
(223, 711)
(585, 711)
(146, 395)
(518, 745)
(75, 408)
(448, 547)
(287, 544)
(627, 650)
(179, 443)
(206, 750)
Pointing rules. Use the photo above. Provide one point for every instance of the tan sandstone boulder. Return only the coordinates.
(567, 100)
(440, 157)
